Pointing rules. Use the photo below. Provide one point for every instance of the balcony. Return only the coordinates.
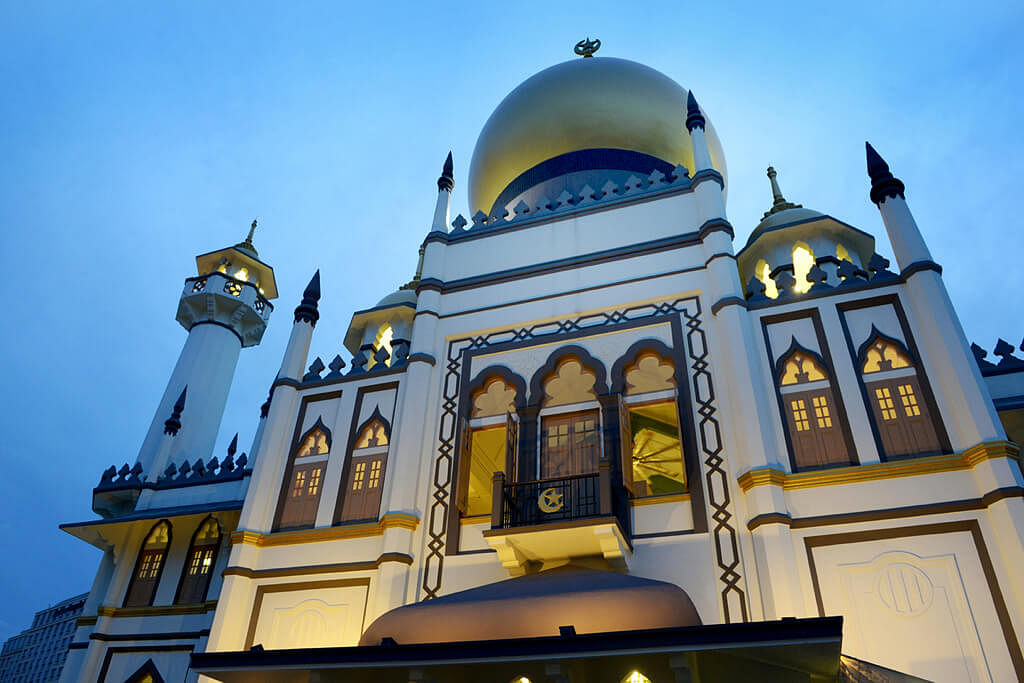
(548, 522)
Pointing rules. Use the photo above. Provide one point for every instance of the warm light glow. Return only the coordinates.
(842, 254)
(800, 368)
(242, 274)
(884, 356)
(803, 261)
(763, 273)
(636, 677)
(384, 336)
(522, 679)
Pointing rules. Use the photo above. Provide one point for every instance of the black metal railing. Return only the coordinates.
(560, 499)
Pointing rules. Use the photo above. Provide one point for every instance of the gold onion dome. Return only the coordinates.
(597, 113)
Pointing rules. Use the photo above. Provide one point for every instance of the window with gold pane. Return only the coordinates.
(304, 478)
(149, 566)
(202, 554)
(487, 441)
(902, 419)
(810, 412)
(364, 483)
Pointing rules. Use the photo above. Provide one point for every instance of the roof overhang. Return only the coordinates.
(803, 647)
(107, 533)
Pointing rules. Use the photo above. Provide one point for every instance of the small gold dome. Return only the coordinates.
(596, 103)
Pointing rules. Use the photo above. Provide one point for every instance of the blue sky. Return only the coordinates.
(137, 135)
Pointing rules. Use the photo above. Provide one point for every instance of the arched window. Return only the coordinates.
(367, 463)
(571, 428)
(487, 440)
(202, 554)
(897, 403)
(763, 272)
(810, 410)
(803, 261)
(305, 478)
(149, 566)
(652, 458)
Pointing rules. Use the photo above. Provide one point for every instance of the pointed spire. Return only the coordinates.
(173, 423)
(447, 179)
(307, 310)
(247, 245)
(779, 202)
(233, 446)
(883, 184)
(694, 119)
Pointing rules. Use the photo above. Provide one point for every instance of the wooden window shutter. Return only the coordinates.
(463, 460)
(511, 445)
(626, 446)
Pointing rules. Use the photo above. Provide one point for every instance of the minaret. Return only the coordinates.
(445, 185)
(695, 125)
(961, 393)
(224, 308)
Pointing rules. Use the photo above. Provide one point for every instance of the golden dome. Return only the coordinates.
(601, 103)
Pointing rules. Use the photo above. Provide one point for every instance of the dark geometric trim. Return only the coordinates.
(795, 347)
(168, 635)
(306, 570)
(769, 518)
(375, 415)
(970, 526)
(727, 301)
(219, 324)
(555, 359)
(725, 536)
(148, 669)
(420, 357)
(319, 424)
(715, 225)
(111, 651)
(138, 560)
(920, 266)
(718, 255)
(507, 375)
(875, 333)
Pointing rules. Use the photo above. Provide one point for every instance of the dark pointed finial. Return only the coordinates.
(307, 310)
(233, 446)
(779, 202)
(447, 179)
(246, 244)
(694, 119)
(173, 423)
(883, 184)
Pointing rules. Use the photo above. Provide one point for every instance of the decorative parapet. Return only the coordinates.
(849, 274)
(223, 300)
(610, 193)
(1008, 362)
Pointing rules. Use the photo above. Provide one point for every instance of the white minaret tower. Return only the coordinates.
(224, 308)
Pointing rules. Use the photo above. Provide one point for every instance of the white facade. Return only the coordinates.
(919, 552)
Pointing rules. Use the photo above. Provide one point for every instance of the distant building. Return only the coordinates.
(37, 654)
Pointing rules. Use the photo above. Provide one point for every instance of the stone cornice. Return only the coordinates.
(392, 520)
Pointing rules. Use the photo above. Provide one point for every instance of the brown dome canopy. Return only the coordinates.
(590, 600)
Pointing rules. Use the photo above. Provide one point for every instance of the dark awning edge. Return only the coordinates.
(821, 630)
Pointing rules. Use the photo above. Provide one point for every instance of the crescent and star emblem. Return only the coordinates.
(587, 48)
(550, 500)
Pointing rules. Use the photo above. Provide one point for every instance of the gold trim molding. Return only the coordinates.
(970, 458)
(150, 611)
(657, 499)
(392, 520)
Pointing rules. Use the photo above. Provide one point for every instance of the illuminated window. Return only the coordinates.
(148, 566)
(305, 478)
(242, 274)
(199, 563)
(803, 261)
(821, 411)
(885, 403)
(909, 400)
(762, 271)
(800, 368)
(570, 444)
(800, 415)
(842, 254)
(636, 677)
(904, 425)
(572, 382)
(383, 341)
(362, 491)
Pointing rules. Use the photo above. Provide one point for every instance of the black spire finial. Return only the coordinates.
(779, 202)
(447, 179)
(233, 446)
(694, 119)
(173, 423)
(246, 244)
(883, 184)
(307, 310)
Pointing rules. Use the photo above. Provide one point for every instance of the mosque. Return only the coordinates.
(592, 440)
